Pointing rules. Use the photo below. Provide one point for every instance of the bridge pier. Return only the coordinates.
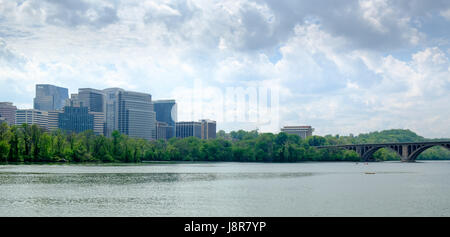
(404, 154)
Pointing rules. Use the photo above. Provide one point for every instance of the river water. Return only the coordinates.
(227, 189)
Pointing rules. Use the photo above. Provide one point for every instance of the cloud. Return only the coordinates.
(446, 14)
(343, 67)
(172, 15)
(70, 13)
(9, 58)
(77, 13)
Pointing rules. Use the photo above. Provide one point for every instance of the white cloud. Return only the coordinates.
(446, 14)
(347, 67)
(373, 11)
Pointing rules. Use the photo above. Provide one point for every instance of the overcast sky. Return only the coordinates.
(341, 66)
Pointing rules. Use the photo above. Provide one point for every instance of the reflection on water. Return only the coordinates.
(132, 178)
(227, 189)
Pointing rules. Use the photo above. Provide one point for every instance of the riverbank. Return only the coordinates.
(197, 162)
(33, 144)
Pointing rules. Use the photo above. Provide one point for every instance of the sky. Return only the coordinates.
(343, 67)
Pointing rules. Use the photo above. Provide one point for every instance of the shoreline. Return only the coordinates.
(201, 162)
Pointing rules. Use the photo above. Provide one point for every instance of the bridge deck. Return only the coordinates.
(387, 144)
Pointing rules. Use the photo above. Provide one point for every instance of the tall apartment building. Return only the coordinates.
(8, 112)
(301, 131)
(208, 129)
(136, 117)
(32, 116)
(50, 97)
(166, 111)
(188, 129)
(76, 119)
(111, 95)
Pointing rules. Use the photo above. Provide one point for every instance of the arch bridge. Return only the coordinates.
(408, 151)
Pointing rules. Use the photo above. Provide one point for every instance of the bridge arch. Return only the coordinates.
(368, 154)
(415, 153)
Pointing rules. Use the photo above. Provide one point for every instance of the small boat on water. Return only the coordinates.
(370, 173)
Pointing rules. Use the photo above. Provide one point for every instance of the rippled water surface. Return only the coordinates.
(227, 189)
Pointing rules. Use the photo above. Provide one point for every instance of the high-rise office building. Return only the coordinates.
(73, 100)
(50, 97)
(166, 111)
(32, 116)
(53, 120)
(8, 112)
(208, 129)
(111, 95)
(161, 130)
(99, 122)
(188, 129)
(301, 131)
(76, 119)
(136, 117)
(93, 99)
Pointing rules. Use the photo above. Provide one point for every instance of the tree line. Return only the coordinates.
(30, 143)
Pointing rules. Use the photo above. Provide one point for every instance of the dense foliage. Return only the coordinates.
(33, 144)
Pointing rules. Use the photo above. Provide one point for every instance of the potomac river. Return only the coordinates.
(227, 189)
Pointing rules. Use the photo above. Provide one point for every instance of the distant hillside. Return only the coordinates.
(393, 135)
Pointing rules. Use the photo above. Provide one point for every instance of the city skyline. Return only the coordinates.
(350, 67)
(131, 113)
(172, 111)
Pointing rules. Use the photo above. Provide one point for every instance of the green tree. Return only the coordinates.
(316, 141)
(14, 152)
(58, 145)
(45, 143)
(5, 136)
(4, 150)
(36, 133)
(25, 131)
(117, 149)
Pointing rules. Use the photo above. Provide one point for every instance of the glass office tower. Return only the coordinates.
(76, 119)
(50, 97)
(111, 110)
(93, 99)
(166, 111)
